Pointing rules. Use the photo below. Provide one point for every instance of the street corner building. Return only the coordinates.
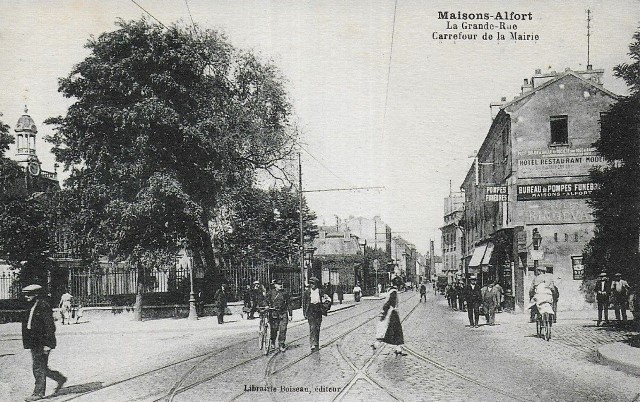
(525, 196)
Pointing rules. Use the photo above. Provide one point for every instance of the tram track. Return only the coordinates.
(196, 362)
(201, 361)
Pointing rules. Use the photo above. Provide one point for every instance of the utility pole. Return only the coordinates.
(301, 227)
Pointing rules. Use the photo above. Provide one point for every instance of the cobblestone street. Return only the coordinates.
(447, 360)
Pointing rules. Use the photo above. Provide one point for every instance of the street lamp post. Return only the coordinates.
(193, 313)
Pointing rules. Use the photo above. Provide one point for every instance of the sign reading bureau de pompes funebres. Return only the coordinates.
(557, 162)
(555, 191)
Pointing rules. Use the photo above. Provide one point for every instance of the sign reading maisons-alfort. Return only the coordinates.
(562, 162)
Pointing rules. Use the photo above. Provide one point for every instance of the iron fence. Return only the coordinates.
(243, 273)
(9, 285)
(100, 287)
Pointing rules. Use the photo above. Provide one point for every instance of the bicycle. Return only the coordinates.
(264, 330)
(543, 325)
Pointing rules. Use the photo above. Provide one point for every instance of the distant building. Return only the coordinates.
(453, 234)
(338, 258)
(531, 176)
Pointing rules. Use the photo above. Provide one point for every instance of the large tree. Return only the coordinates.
(25, 220)
(616, 204)
(164, 121)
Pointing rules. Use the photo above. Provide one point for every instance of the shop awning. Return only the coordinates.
(487, 254)
(478, 253)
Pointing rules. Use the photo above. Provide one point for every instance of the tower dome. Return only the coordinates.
(26, 131)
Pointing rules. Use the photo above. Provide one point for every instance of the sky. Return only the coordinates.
(379, 100)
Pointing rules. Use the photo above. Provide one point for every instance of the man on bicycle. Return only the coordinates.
(280, 301)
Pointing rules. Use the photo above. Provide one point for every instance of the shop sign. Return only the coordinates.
(563, 211)
(555, 191)
(496, 193)
(558, 162)
(578, 268)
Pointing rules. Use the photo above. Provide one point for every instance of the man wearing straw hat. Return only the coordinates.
(38, 335)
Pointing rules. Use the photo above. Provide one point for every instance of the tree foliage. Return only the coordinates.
(264, 225)
(616, 204)
(25, 220)
(165, 120)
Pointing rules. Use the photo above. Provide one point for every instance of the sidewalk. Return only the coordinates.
(582, 325)
(100, 352)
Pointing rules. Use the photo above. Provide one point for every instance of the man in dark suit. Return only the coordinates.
(316, 302)
(221, 302)
(280, 301)
(38, 335)
(473, 297)
(602, 290)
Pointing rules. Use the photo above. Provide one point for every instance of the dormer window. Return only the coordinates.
(559, 130)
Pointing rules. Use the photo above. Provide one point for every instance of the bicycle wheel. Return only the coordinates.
(266, 337)
(261, 334)
(538, 325)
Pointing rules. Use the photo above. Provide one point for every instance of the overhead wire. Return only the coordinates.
(150, 15)
(386, 96)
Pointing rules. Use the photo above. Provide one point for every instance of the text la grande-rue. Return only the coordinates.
(470, 23)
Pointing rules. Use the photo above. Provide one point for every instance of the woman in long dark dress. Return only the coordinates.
(389, 327)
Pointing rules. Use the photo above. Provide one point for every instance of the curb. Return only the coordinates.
(621, 356)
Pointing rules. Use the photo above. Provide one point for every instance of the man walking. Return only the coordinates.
(620, 297)
(38, 335)
(490, 301)
(423, 292)
(221, 302)
(280, 301)
(474, 298)
(316, 301)
(602, 297)
(65, 307)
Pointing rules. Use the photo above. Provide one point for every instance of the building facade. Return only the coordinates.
(530, 180)
(453, 235)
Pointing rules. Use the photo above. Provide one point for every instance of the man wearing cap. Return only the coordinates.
(38, 335)
(280, 301)
(314, 299)
(620, 296)
(602, 290)
(473, 298)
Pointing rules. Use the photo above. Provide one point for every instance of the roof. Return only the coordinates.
(26, 123)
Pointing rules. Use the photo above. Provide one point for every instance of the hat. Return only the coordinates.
(473, 277)
(314, 280)
(618, 274)
(256, 282)
(277, 281)
(32, 289)
(602, 274)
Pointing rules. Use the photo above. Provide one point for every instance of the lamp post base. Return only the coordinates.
(193, 314)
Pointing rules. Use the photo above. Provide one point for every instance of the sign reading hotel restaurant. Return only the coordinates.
(558, 162)
(496, 193)
(555, 191)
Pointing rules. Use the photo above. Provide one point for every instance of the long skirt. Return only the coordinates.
(393, 334)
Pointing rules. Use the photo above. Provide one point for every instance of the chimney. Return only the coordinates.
(526, 87)
(495, 107)
(538, 71)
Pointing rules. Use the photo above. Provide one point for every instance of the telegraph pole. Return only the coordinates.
(301, 227)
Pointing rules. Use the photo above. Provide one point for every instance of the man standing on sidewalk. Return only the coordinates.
(620, 296)
(280, 300)
(474, 298)
(38, 335)
(602, 297)
(221, 302)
